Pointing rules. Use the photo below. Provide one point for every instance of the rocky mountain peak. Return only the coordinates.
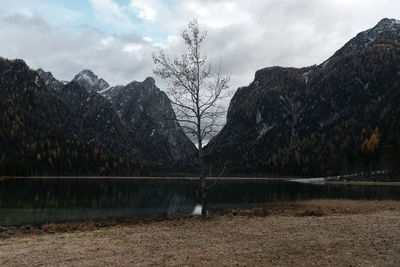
(370, 36)
(313, 121)
(48, 78)
(89, 80)
(149, 81)
(143, 106)
(86, 74)
(40, 71)
(387, 23)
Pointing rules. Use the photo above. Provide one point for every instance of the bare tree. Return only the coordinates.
(196, 89)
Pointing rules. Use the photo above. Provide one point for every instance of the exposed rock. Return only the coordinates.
(145, 107)
(386, 28)
(312, 121)
(90, 81)
(51, 82)
(53, 129)
(97, 121)
(41, 133)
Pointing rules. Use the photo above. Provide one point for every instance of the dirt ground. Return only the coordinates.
(322, 233)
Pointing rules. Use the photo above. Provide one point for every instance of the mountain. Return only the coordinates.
(49, 80)
(95, 121)
(148, 109)
(56, 128)
(319, 120)
(385, 29)
(98, 123)
(90, 81)
(109, 112)
(42, 135)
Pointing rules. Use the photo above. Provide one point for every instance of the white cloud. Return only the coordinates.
(143, 10)
(119, 59)
(108, 12)
(107, 40)
(172, 38)
(216, 14)
(147, 39)
(132, 48)
(56, 15)
(160, 45)
(245, 35)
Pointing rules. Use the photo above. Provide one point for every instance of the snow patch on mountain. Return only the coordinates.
(263, 130)
(366, 38)
(306, 76)
(89, 80)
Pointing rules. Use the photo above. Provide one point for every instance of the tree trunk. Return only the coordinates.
(203, 196)
(202, 177)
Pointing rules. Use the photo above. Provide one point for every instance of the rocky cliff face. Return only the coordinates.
(53, 128)
(43, 135)
(90, 81)
(385, 29)
(97, 122)
(148, 109)
(110, 112)
(313, 121)
(49, 80)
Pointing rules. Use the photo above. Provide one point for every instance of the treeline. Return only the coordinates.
(34, 143)
(341, 117)
(28, 152)
(370, 153)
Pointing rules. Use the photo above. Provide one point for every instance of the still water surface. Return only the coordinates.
(44, 200)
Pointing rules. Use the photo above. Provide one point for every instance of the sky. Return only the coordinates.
(116, 38)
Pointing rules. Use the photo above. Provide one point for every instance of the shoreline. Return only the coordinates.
(360, 183)
(319, 180)
(303, 208)
(147, 177)
(322, 233)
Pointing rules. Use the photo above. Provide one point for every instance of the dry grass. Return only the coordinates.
(318, 208)
(343, 233)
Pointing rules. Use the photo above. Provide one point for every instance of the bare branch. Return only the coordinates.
(197, 89)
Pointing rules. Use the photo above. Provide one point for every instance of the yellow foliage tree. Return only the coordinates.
(371, 144)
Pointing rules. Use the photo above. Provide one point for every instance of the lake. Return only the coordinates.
(43, 200)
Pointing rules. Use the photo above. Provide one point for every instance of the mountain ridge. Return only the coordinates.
(53, 128)
(40, 134)
(313, 121)
(89, 80)
(164, 142)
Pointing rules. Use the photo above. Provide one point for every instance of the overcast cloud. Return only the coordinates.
(116, 38)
